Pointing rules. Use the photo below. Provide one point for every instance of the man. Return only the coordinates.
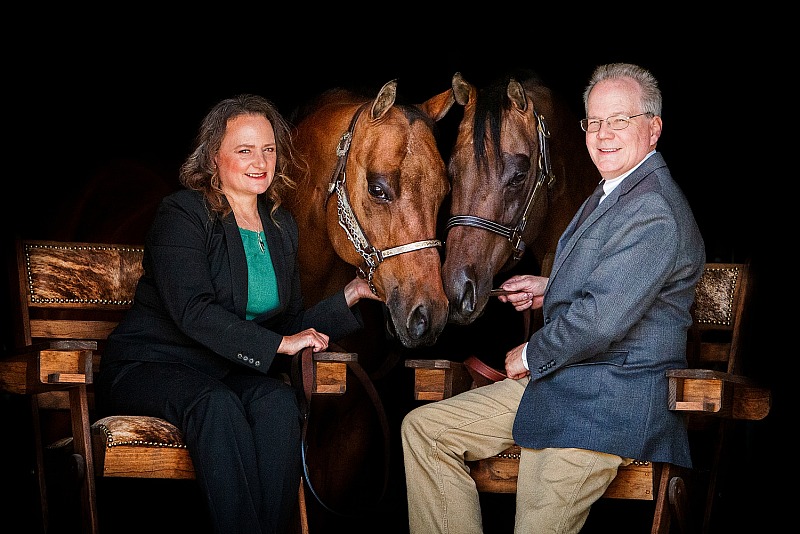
(588, 392)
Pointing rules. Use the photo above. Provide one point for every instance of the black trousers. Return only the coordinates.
(243, 433)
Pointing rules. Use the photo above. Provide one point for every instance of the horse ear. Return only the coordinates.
(384, 100)
(437, 107)
(516, 94)
(463, 91)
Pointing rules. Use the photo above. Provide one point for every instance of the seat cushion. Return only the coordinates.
(141, 447)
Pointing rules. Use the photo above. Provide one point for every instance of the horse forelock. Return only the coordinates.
(491, 107)
(486, 127)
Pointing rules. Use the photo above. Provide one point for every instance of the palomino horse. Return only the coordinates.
(370, 200)
(519, 172)
(369, 203)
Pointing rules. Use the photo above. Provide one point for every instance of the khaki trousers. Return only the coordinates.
(556, 487)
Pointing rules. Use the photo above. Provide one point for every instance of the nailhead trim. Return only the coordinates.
(136, 442)
(41, 300)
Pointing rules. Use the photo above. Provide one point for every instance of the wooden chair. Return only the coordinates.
(71, 296)
(712, 391)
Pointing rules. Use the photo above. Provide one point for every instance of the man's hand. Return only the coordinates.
(526, 291)
(514, 367)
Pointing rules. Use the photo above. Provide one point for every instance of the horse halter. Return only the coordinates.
(514, 234)
(348, 221)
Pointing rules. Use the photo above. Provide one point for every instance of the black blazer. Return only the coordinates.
(190, 302)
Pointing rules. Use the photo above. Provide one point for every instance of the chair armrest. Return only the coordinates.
(438, 379)
(44, 367)
(330, 372)
(717, 393)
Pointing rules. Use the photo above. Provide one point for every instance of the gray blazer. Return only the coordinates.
(616, 314)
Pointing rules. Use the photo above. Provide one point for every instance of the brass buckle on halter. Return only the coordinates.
(518, 244)
(374, 258)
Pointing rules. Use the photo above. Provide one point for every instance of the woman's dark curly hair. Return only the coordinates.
(199, 172)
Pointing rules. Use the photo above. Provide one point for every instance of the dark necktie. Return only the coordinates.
(594, 200)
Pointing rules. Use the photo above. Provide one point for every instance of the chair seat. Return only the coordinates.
(498, 474)
(139, 447)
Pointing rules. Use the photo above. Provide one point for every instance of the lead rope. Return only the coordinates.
(302, 372)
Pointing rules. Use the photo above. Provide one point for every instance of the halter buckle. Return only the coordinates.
(518, 244)
(344, 144)
(373, 259)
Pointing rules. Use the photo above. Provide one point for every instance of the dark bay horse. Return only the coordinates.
(519, 172)
(368, 202)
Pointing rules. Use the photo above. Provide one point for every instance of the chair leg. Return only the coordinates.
(672, 504)
(678, 503)
(39, 452)
(81, 440)
(661, 514)
(301, 503)
(716, 465)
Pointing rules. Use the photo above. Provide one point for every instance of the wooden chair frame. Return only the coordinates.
(712, 390)
(70, 297)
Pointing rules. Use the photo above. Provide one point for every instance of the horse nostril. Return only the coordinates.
(468, 299)
(419, 322)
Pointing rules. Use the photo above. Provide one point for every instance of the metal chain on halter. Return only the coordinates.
(348, 222)
(347, 219)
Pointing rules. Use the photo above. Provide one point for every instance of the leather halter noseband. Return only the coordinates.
(348, 221)
(514, 234)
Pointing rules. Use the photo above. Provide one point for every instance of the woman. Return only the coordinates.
(218, 300)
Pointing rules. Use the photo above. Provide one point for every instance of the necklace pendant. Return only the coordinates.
(261, 242)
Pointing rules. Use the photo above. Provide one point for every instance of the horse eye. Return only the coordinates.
(515, 169)
(377, 191)
(518, 178)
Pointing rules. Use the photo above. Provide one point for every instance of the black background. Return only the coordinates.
(98, 107)
(101, 103)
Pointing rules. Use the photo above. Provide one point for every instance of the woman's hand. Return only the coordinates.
(527, 291)
(307, 338)
(358, 289)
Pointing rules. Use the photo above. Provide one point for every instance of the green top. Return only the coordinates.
(262, 286)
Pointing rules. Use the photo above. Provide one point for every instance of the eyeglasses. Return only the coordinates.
(615, 122)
